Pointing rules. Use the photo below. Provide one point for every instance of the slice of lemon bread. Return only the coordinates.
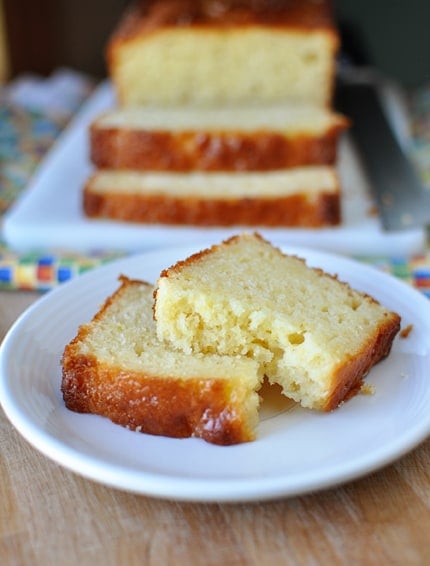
(312, 334)
(301, 197)
(215, 139)
(116, 367)
(205, 52)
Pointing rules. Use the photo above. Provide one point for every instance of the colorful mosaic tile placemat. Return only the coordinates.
(412, 270)
(25, 136)
(44, 271)
(28, 129)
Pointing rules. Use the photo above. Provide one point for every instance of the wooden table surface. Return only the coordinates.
(50, 515)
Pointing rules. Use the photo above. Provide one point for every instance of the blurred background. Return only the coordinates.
(38, 36)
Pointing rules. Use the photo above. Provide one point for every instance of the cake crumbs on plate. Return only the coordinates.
(367, 389)
(404, 333)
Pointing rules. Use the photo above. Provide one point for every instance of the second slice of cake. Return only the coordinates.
(224, 138)
(311, 333)
(116, 368)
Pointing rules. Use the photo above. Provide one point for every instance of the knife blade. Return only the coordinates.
(402, 200)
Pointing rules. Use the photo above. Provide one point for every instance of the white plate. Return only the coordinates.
(49, 212)
(296, 451)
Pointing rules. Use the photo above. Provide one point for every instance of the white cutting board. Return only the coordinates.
(48, 215)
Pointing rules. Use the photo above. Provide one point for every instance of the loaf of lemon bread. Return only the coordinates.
(116, 367)
(168, 52)
(215, 139)
(311, 333)
(300, 197)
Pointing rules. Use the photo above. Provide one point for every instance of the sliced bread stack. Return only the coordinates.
(223, 116)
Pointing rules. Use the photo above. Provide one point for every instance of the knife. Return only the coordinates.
(403, 201)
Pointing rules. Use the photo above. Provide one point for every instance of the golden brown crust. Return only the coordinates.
(150, 404)
(152, 15)
(197, 256)
(349, 379)
(127, 148)
(290, 211)
(199, 407)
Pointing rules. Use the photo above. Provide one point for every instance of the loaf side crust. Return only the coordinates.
(192, 408)
(349, 378)
(291, 211)
(155, 15)
(127, 148)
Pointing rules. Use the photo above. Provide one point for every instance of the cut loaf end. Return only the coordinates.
(199, 53)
